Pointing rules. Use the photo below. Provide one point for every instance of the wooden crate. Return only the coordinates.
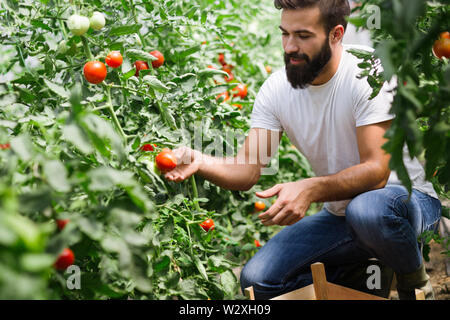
(321, 289)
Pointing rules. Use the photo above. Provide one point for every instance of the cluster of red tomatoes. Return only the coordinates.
(239, 91)
(95, 71)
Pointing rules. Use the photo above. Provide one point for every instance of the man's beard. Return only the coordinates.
(301, 75)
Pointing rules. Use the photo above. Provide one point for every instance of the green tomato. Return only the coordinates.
(77, 24)
(97, 20)
(63, 47)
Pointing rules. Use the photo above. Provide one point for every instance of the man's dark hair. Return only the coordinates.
(333, 12)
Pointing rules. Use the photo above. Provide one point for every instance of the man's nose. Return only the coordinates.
(291, 46)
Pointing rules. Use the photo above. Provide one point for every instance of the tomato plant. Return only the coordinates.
(71, 150)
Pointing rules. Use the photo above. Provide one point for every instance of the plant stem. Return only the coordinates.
(113, 113)
(87, 50)
(195, 191)
(133, 8)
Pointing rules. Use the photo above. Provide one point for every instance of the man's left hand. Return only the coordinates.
(292, 203)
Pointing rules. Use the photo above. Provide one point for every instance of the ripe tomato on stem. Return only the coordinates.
(221, 59)
(166, 160)
(65, 259)
(228, 68)
(61, 223)
(114, 59)
(260, 206)
(441, 47)
(157, 63)
(140, 65)
(240, 91)
(225, 95)
(257, 244)
(207, 225)
(148, 147)
(94, 72)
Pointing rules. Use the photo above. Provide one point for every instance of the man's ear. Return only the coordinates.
(337, 34)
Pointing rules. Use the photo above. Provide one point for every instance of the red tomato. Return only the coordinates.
(65, 259)
(445, 35)
(223, 95)
(140, 65)
(257, 244)
(260, 206)
(221, 59)
(268, 69)
(166, 160)
(114, 59)
(441, 48)
(94, 72)
(207, 225)
(240, 91)
(157, 63)
(61, 223)
(5, 146)
(237, 105)
(228, 68)
(148, 147)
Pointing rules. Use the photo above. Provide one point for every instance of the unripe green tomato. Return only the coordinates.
(62, 47)
(77, 24)
(97, 20)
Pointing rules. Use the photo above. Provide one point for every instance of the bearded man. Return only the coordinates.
(324, 109)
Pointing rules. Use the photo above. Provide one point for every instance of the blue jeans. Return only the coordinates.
(380, 224)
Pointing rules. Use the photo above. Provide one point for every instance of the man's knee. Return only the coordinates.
(374, 204)
(369, 213)
(257, 275)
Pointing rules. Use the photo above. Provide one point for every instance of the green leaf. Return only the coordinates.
(22, 146)
(32, 262)
(56, 174)
(135, 54)
(58, 89)
(228, 282)
(200, 267)
(74, 134)
(153, 82)
(209, 72)
(124, 30)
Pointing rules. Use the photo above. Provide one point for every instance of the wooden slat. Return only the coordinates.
(249, 293)
(305, 293)
(337, 292)
(319, 281)
(420, 295)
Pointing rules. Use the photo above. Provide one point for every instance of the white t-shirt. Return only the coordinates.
(321, 120)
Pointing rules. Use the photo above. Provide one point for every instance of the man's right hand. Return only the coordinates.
(188, 163)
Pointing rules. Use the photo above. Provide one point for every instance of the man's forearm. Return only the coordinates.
(348, 183)
(228, 173)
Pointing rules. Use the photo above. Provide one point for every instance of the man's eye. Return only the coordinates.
(284, 34)
(303, 37)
